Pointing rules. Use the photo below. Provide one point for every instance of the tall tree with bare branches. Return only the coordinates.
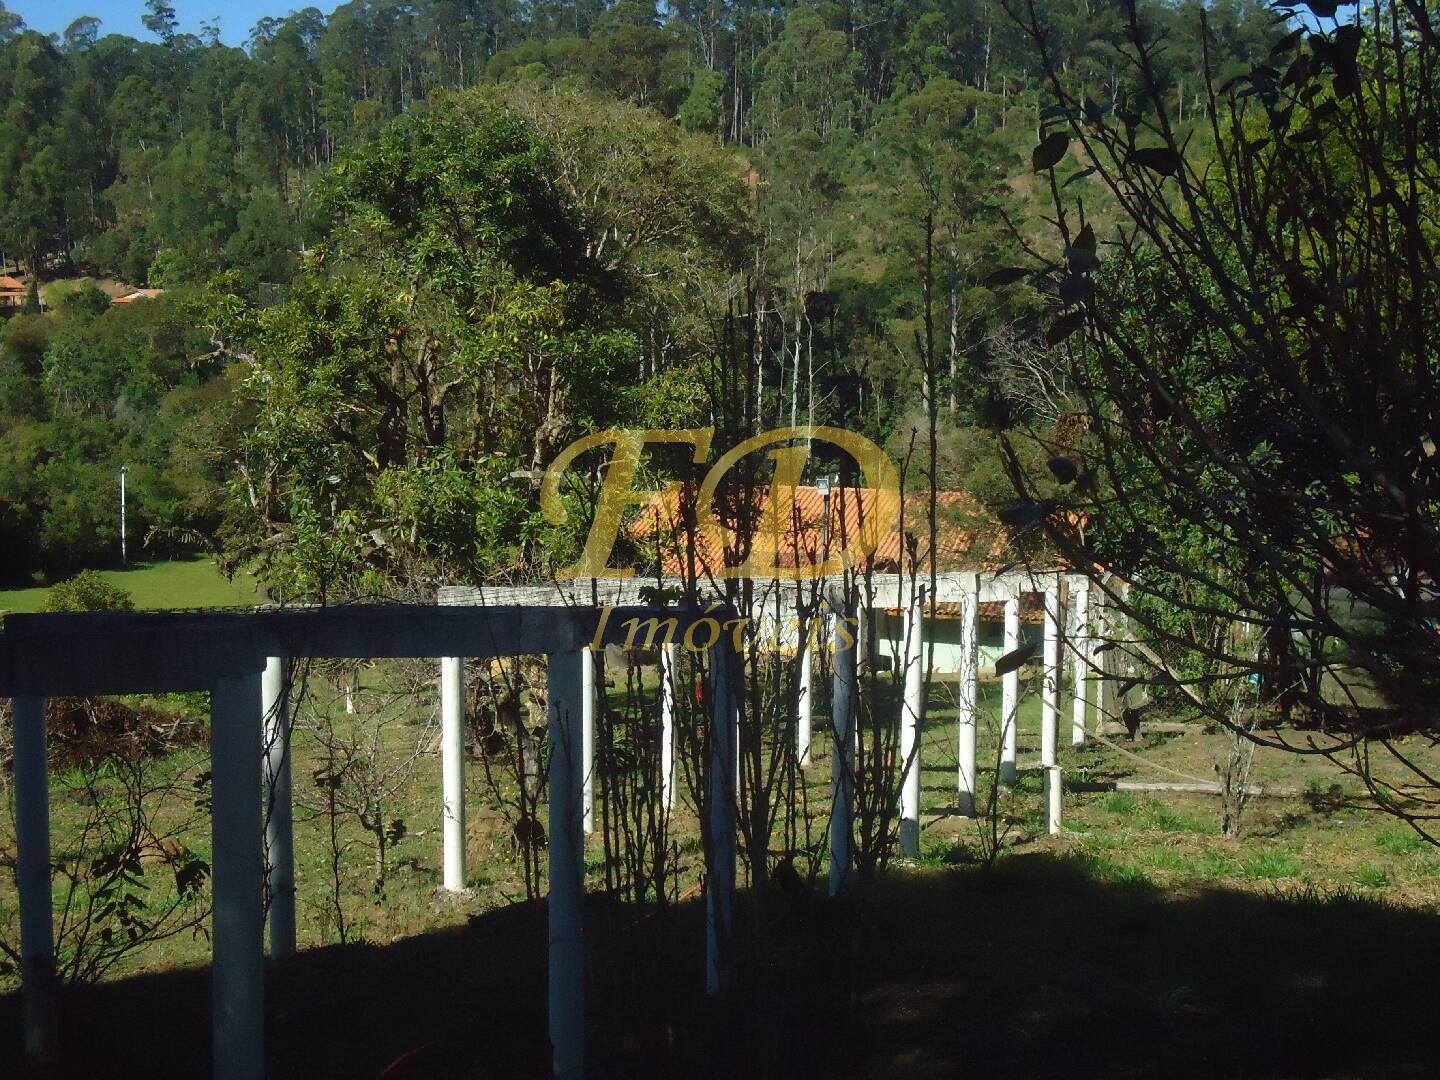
(1253, 350)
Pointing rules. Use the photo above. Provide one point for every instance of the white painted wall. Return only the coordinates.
(943, 635)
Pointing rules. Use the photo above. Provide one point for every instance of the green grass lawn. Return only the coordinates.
(178, 583)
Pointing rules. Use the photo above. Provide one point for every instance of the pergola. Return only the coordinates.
(858, 595)
(241, 658)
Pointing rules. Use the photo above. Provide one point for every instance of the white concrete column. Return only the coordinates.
(1010, 696)
(968, 695)
(912, 719)
(804, 698)
(667, 724)
(452, 768)
(1106, 707)
(566, 902)
(32, 874)
(720, 886)
(594, 682)
(842, 762)
(1050, 705)
(1080, 643)
(861, 629)
(237, 922)
(280, 819)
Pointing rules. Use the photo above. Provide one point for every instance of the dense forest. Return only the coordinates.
(409, 250)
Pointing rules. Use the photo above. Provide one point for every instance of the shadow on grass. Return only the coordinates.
(1036, 969)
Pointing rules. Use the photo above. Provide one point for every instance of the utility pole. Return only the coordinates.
(122, 516)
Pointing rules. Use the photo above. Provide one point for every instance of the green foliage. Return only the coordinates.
(1400, 842)
(1122, 803)
(503, 317)
(548, 258)
(1270, 864)
(120, 149)
(87, 388)
(85, 302)
(1372, 877)
(87, 591)
(1217, 343)
(701, 110)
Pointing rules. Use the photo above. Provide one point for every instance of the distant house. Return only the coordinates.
(13, 291)
(137, 294)
(968, 539)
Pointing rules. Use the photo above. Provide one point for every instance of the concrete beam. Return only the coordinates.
(893, 590)
(1080, 646)
(225, 653)
(804, 699)
(111, 652)
(1050, 705)
(668, 677)
(592, 686)
(968, 705)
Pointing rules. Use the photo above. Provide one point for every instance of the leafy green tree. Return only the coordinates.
(636, 57)
(86, 302)
(31, 174)
(171, 161)
(83, 392)
(488, 280)
(160, 20)
(702, 108)
(809, 81)
(10, 24)
(460, 299)
(81, 34)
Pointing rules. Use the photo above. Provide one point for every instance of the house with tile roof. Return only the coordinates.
(815, 524)
(137, 294)
(13, 291)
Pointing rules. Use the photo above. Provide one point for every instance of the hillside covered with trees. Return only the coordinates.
(731, 213)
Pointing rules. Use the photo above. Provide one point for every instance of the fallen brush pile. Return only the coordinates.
(84, 731)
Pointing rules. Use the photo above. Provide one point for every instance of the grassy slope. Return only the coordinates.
(180, 583)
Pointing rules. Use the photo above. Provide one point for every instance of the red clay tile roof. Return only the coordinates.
(1032, 610)
(10, 284)
(968, 538)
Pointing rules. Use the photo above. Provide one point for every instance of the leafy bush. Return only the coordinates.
(87, 591)
(82, 298)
